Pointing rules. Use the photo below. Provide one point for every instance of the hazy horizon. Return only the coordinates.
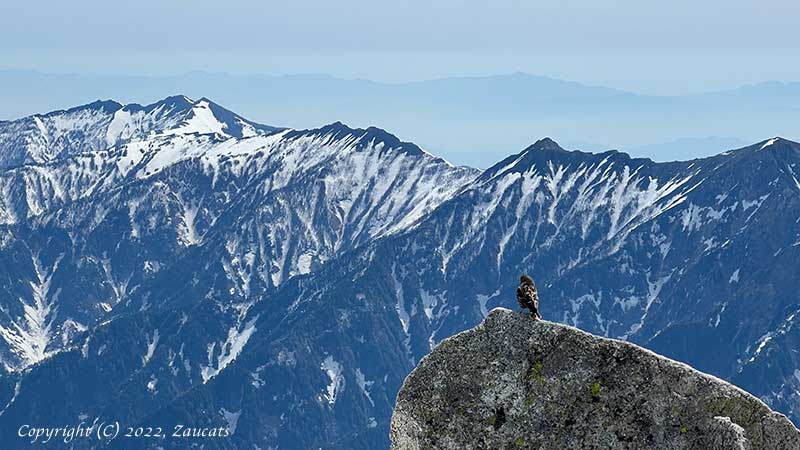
(721, 87)
(650, 48)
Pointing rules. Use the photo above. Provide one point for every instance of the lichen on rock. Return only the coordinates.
(515, 383)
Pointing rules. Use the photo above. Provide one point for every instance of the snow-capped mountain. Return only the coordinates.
(114, 216)
(97, 126)
(198, 268)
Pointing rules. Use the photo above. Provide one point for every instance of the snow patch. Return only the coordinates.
(151, 385)
(334, 371)
(734, 277)
(228, 350)
(364, 385)
(577, 305)
(152, 342)
(719, 315)
(653, 289)
(29, 337)
(483, 299)
(768, 143)
(400, 307)
(231, 418)
(255, 378)
(189, 218)
(304, 263)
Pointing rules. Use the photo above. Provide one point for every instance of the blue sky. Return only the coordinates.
(645, 46)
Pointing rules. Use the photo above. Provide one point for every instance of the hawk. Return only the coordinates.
(528, 296)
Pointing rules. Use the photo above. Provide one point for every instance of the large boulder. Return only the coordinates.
(516, 383)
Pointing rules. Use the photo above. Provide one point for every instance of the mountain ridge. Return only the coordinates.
(546, 143)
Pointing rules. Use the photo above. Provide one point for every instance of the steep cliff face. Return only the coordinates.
(514, 383)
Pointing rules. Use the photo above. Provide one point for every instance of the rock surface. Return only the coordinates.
(512, 383)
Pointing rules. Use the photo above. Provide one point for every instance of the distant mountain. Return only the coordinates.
(282, 283)
(467, 120)
(104, 124)
(688, 148)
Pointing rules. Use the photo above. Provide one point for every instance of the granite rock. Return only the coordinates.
(516, 383)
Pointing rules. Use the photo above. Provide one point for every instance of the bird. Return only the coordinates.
(528, 296)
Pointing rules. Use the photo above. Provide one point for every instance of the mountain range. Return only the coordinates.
(178, 264)
(467, 120)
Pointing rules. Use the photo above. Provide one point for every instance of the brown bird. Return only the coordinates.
(528, 296)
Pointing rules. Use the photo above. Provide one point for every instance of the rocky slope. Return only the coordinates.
(513, 383)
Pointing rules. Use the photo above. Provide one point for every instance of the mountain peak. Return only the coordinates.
(173, 102)
(179, 114)
(774, 142)
(335, 127)
(766, 150)
(516, 382)
(366, 136)
(106, 106)
(542, 151)
(178, 100)
(106, 123)
(545, 144)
